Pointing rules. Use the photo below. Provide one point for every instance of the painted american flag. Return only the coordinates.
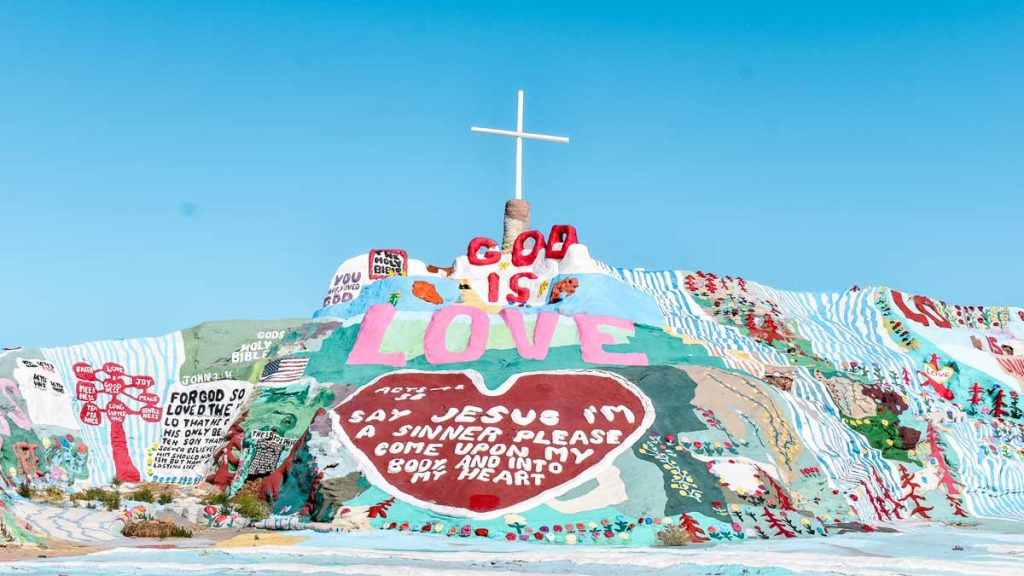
(284, 370)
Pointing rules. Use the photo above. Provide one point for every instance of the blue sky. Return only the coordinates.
(162, 164)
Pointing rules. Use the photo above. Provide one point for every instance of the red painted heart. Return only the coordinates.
(443, 441)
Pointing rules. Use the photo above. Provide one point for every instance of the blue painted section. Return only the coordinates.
(381, 291)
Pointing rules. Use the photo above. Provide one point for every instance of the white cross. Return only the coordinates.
(519, 134)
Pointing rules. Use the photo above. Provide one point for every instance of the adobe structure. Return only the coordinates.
(539, 394)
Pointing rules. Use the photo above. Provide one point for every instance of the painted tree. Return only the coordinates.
(998, 402)
(690, 283)
(975, 401)
(954, 503)
(780, 494)
(380, 509)
(112, 382)
(936, 452)
(775, 524)
(876, 503)
(911, 487)
(709, 284)
(692, 527)
(751, 323)
(897, 507)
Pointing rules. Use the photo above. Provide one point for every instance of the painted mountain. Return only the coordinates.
(535, 393)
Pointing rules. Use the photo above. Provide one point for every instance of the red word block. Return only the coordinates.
(527, 248)
(444, 441)
(85, 391)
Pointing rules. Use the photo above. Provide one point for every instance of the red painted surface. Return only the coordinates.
(488, 257)
(117, 386)
(537, 414)
(925, 310)
(520, 256)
